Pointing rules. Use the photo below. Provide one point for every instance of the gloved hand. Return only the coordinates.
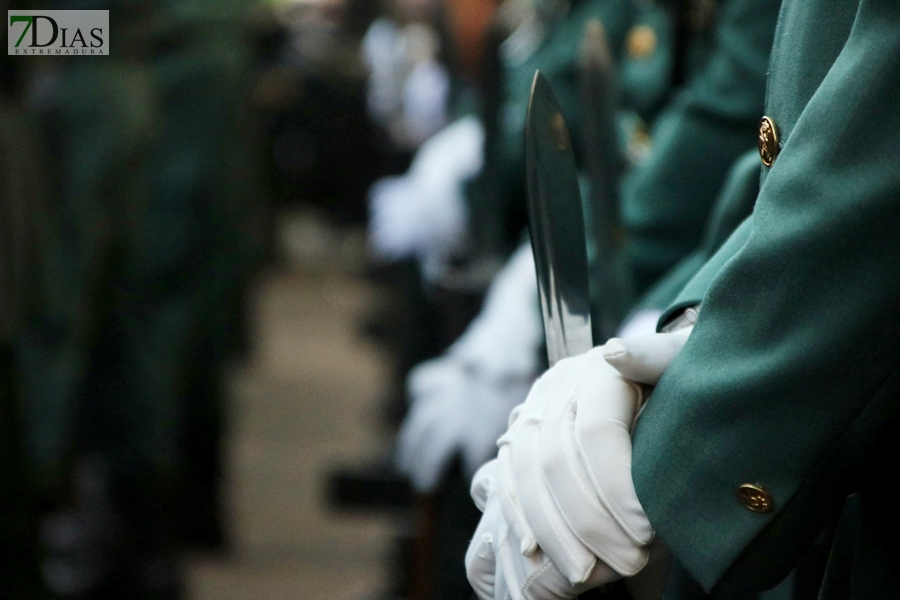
(565, 462)
(423, 213)
(482, 567)
(498, 571)
(435, 423)
(644, 358)
(461, 401)
(454, 410)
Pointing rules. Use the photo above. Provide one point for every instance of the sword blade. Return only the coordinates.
(557, 226)
(603, 230)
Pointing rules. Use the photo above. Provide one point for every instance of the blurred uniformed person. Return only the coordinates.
(481, 376)
(155, 237)
(209, 219)
(691, 113)
(23, 217)
(724, 51)
(461, 222)
(545, 35)
(770, 426)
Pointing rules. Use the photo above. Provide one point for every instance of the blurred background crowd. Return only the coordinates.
(359, 162)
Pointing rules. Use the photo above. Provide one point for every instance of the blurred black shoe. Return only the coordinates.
(116, 541)
(201, 522)
(375, 487)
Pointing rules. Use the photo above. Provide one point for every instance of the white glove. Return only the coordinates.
(435, 423)
(569, 448)
(423, 213)
(461, 401)
(498, 571)
(381, 48)
(425, 100)
(504, 340)
(454, 410)
(645, 358)
(575, 506)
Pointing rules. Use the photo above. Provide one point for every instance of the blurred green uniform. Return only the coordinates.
(784, 399)
(102, 116)
(209, 208)
(22, 214)
(553, 45)
(723, 52)
(157, 232)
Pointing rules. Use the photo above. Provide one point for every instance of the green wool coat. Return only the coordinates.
(790, 379)
(666, 200)
(734, 204)
(157, 214)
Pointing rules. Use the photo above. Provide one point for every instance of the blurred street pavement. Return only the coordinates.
(305, 402)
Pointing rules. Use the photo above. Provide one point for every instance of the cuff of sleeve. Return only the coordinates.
(679, 316)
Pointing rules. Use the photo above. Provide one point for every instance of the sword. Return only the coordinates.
(604, 163)
(556, 217)
(557, 226)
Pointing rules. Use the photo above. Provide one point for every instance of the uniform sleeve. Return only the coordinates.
(666, 200)
(792, 368)
(692, 292)
(685, 284)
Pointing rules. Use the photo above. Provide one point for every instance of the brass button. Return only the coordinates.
(641, 42)
(755, 498)
(768, 141)
(560, 132)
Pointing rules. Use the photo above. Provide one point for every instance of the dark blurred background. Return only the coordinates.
(194, 339)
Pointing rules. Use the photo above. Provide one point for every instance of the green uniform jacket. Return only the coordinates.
(22, 220)
(666, 200)
(791, 373)
(156, 231)
(734, 204)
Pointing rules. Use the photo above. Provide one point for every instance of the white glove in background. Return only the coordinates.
(381, 51)
(408, 87)
(423, 213)
(434, 426)
(425, 100)
(498, 571)
(504, 340)
(461, 401)
(454, 410)
(565, 482)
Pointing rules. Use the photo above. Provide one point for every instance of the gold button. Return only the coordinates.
(560, 132)
(755, 498)
(768, 141)
(641, 42)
